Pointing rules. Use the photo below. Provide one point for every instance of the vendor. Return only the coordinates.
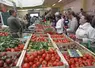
(59, 25)
(14, 24)
(85, 31)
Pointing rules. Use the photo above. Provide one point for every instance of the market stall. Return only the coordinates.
(40, 46)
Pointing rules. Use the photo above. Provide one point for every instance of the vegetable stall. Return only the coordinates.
(44, 49)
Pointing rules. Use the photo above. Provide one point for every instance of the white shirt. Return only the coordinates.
(86, 32)
(72, 25)
(59, 26)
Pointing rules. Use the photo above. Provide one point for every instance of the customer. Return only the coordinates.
(14, 24)
(73, 23)
(59, 25)
(85, 32)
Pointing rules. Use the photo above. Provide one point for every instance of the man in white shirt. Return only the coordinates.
(85, 32)
(59, 25)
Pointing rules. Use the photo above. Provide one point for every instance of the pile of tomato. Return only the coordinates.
(61, 40)
(3, 34)
(16, 49)
(42, 58)
(38, 26)
(41, 38)
(57, 36)
(86, 60)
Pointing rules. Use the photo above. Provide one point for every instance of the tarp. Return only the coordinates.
(23, 3)
(6, 2)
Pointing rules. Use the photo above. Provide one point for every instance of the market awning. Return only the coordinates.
(23, 3)
(6, 2)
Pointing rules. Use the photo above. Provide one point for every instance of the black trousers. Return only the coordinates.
(15, 35)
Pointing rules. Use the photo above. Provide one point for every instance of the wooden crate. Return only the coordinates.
(12, 54)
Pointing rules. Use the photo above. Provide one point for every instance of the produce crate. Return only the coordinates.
(41, 42)
(83, 51)
(62, 57)
(72, 45)
(45, 67)
(40, 35)
(60, 39)
(12, 54)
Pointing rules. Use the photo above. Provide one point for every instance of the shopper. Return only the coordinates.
(66, 20)
(59, 25)
(85, 32)
(14, 24)
(73, 23)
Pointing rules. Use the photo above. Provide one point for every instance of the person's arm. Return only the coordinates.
(91, 36)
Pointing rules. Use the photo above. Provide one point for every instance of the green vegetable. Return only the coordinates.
(8, 42)
(38, 45)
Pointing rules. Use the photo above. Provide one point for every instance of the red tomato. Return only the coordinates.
(41, 60)
(38, 63)
(39, 52)
(47, 58)
(38, 57)
(26, 65)
(44, 65)
(34, 66)
(36, 60)
(31, 58)
(35, 54)
(53, 58)
(51, 50)
(26, 60)
(60, 64)
(43, 56)
(21, 46)
(12, 50)
(31, 63)
(43, 51)
(50, 64)
(16, 48)
(44, 62)
(55, 63)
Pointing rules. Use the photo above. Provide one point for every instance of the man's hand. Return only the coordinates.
(79, 40)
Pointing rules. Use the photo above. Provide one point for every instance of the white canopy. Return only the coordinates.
(23, 3)
(6, 2)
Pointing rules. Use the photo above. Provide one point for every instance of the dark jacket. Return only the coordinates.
(14, 24)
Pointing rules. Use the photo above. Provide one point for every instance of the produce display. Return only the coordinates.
(8, 61)
(4, 30)
(49, 30)
(7, 43)
(44, 28)
(41, 52)
(42, 58)
(38, 46)
(39, 38)
(39, 42)
(59, 38)
(3, 34)
(86, 60)
(65, 47)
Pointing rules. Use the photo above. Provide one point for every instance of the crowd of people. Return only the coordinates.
(82, 25)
